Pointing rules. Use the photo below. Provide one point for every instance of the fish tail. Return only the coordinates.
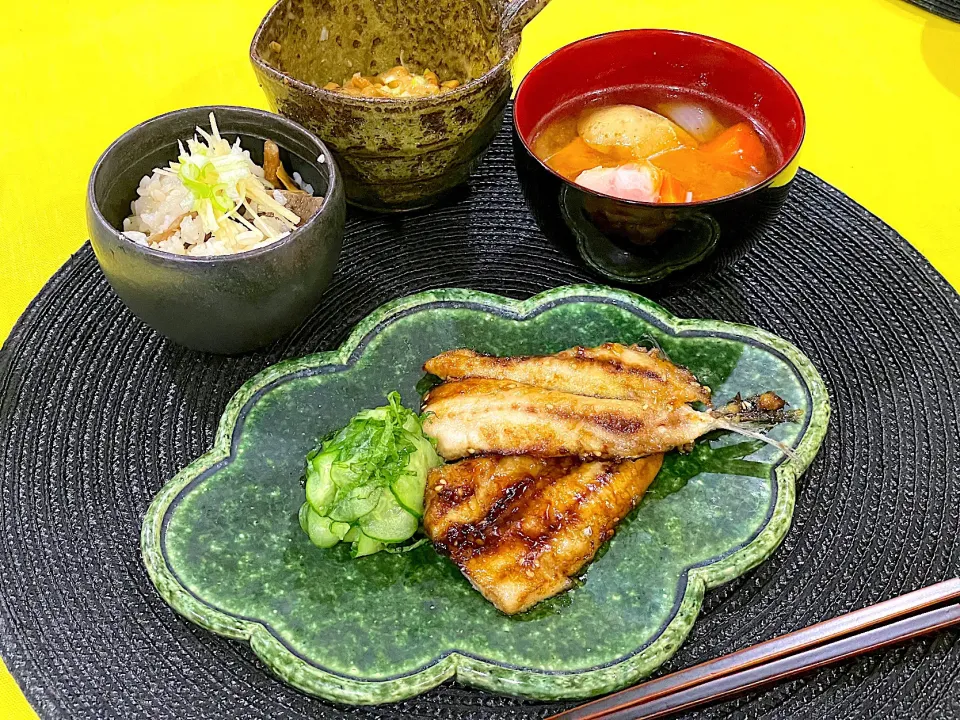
(762, 411)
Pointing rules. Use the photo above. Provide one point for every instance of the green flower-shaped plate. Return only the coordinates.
(222, 544)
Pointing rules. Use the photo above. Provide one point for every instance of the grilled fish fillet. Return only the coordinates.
(501, 417)
(520, 527)
(610, 370)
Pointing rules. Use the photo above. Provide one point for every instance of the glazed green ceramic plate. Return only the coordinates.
(222, 544)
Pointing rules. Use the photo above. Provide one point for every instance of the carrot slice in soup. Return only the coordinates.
(672, 190)
(577, 157)
(739, 149)
(699, 173)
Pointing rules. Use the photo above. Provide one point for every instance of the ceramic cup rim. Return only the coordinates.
(510, 43)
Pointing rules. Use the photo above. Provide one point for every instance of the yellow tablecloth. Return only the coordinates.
(880, 80)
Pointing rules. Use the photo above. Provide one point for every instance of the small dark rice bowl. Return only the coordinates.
(639, 243)
(229, 303)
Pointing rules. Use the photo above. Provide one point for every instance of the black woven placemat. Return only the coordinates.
(97, 412)
(949, 9)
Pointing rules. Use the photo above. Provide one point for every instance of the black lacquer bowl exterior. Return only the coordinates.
(231, 303)
(638, 243)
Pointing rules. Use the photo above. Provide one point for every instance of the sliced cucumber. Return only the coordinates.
(322, 461)
(366, 546)
(365, 482)
(388, 521)
(340, 529)
(320, 488)
(358, 502)
(343, 475)
(319, 530)
(408, 489)
(303, 517)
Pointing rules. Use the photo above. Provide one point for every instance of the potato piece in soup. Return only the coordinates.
(630, 132)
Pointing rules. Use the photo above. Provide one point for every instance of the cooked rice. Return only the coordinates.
(163, 199)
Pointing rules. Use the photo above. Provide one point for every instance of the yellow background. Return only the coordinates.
(880, 81)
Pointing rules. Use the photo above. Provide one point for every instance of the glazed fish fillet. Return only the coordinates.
(521, 527)
(608, 371)
(480, 416)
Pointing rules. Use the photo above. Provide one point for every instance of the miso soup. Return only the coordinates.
(656, 144)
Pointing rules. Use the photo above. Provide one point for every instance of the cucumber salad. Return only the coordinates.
(365, 483)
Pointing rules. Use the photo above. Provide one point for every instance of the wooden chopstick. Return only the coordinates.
(787, 667)
(782, 657)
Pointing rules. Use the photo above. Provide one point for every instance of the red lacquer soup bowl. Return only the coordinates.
(636, 242)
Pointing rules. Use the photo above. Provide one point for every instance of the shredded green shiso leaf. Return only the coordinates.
(365, 483)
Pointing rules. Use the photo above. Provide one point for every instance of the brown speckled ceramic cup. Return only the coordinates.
(395, 154)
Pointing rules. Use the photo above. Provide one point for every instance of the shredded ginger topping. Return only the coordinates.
(225, 202)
